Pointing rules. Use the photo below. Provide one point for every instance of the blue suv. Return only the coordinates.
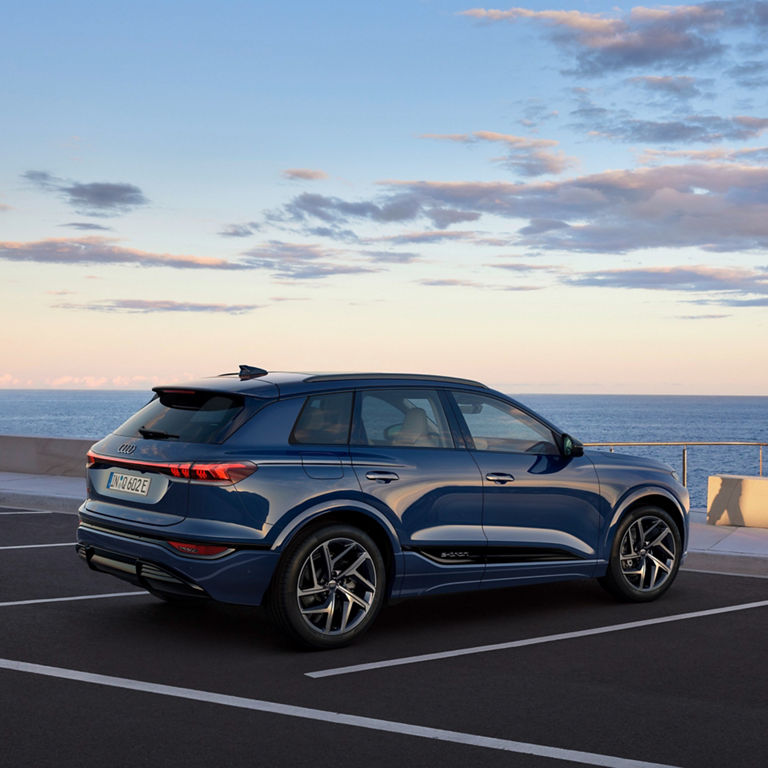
(324, 495)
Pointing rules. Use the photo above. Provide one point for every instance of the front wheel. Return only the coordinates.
(329, 587)
(645, 555)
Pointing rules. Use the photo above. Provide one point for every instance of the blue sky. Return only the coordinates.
(552, 197)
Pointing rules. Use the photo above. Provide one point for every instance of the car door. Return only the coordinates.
(540, 509)
(406, 459)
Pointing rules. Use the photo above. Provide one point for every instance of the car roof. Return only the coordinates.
(282, 383)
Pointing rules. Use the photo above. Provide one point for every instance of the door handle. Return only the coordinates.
(382, 477)
(499, 477)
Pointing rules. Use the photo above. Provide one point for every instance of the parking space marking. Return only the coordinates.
(33, 512)
(40, 546)
(726, 573)
(531, 641)
(67, 599)
(336, 718)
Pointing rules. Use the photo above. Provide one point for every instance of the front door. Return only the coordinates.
(540, 512)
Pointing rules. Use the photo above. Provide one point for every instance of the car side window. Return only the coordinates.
(498, 426)
(324, 420)
(402, 417)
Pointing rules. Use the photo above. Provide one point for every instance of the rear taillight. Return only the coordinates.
(225, 471)
(201, 550)
(214, 472)
(90, 459)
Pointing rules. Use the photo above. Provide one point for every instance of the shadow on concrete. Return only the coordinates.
(727, 503)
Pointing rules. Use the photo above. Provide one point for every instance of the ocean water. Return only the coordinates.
(591, 418)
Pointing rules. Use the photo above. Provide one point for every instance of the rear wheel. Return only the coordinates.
(329, 587)
(645, 556)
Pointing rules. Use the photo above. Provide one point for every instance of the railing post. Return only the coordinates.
(761, 461)
(685, 466)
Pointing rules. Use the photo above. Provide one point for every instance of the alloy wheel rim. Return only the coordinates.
(648, 553)
(336, 586)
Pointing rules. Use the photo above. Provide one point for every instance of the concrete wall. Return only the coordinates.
(43, 455)
(737, 500)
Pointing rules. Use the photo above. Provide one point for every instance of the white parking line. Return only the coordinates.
(726, 573)
(336, 718)
(531, 641)
(40, 546)
(67, 599)
(32, 512)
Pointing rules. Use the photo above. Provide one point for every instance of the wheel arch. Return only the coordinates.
(644, 497)
(378, 528)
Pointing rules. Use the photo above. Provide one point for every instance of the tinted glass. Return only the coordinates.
(404, 417)
(499, 426)
(324, 420)
(189, 416)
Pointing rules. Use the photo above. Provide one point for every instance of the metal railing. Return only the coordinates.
(685, 445)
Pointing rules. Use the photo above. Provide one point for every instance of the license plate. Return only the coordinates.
(138, 486)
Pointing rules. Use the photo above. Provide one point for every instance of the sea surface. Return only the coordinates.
(591, 418)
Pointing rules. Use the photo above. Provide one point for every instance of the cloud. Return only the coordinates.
(442, 218)
(701, 317)
(86, 226)
(716, 206)
(99, 198)
(522, 268)
(622, 125)
(302, 262)
(304, 174)
(527, 156)
(425, 238)
(748, 155)
(699, 278)
(239, 230)
(102, 250)
(391, 257)
(750, 74)
(680, 86)
(334, 209)
(670, 36)
(458, 283)
(142, 306)
(693, 128)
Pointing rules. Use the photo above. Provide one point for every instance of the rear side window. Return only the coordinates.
(324, 420)
(190, 416)
(402, 417)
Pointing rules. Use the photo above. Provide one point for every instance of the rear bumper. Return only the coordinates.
(241, 577)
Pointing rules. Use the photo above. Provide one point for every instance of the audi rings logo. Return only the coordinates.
(126, 448)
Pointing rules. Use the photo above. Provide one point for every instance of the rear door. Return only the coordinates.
(406, 459)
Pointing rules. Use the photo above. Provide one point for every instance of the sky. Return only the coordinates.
(551, 197)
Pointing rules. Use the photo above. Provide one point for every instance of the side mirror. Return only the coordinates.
(571, 446)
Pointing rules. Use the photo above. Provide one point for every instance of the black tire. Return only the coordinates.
(645, 555)
(329, 586)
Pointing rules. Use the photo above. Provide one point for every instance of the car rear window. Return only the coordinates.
(190, 416)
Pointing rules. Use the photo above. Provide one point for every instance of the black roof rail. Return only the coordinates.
(323, 377)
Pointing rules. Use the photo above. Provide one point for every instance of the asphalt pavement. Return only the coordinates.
(92, 670)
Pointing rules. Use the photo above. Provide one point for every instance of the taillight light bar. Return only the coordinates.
(212, 472)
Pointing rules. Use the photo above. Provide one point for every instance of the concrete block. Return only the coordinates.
(737, 500)
(43, 455)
